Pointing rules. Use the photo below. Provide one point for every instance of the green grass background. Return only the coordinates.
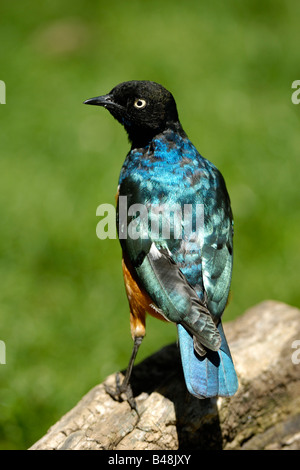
(63, 311)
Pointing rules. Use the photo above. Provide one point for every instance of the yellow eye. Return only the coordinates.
(139, 103)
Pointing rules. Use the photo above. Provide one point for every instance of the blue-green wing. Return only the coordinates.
(188, 279)
(217, 249)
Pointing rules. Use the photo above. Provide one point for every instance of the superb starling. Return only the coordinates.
(175, 267)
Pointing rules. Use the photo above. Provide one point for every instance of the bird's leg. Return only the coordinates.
(125, 386)
(136, 344)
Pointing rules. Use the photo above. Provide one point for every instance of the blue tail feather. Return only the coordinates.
(211, 375)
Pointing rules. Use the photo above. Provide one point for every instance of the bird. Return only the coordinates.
(183, 275)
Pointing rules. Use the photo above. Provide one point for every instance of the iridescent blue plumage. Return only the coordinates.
(170, 172)
(185, 270)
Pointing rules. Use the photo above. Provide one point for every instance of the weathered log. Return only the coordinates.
(264, 414)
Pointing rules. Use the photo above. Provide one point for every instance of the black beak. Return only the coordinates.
(100, 100)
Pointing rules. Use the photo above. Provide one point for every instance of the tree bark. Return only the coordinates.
(264, 413)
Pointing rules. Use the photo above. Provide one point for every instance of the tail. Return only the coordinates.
(210, 375)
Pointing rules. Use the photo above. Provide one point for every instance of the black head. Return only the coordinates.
(144, 108)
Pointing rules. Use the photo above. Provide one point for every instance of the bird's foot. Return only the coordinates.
(122, 389)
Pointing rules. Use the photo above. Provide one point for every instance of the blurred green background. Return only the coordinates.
(63, 311)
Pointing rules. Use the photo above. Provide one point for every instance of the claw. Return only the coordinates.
(122, 389)
(125, 387)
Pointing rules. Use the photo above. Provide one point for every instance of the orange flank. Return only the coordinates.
(139, 301)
